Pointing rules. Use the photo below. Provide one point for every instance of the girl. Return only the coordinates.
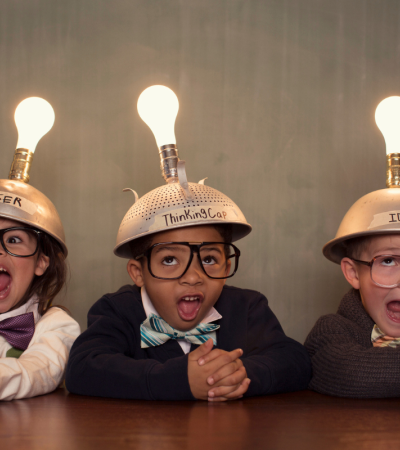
(35, 337)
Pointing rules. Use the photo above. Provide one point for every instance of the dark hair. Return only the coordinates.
(48, 285)
(355, 247)
(139, 246)
(225, 231)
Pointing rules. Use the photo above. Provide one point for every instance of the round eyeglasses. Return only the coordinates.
(384, 270)
(171, 260)
(20, 241)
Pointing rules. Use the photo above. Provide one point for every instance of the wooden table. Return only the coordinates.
(300, 420)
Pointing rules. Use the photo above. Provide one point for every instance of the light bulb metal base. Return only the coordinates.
(393, 170)
(21, 165)
(169, 163)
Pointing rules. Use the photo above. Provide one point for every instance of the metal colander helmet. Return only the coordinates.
(21, 202)
(178, 205)
(375, 213)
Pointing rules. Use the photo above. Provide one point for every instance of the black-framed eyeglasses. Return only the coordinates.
(384, 270)
(171, 260)
(21, 242)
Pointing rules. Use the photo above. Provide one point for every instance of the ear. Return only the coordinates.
(42, 264)
(135, 271)
(350, 272)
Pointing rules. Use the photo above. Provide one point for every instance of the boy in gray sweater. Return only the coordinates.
(355, 352)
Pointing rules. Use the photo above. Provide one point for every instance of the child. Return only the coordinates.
(35, 338)
(180, 333)
(355, 352)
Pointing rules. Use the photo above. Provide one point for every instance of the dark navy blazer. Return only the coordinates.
(106, 360)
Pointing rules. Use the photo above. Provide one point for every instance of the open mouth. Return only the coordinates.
(393, 310)
(189, 305)
(5, 281)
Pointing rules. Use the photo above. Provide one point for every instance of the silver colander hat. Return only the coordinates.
(375, 213)
(178, 205)
(21, 202)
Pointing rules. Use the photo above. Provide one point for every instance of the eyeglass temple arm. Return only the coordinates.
(366, 263)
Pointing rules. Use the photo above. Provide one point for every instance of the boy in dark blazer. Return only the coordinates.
(181, 333)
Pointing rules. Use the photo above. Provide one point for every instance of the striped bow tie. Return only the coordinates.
(380, 339)
(18, 330)
(156, 331)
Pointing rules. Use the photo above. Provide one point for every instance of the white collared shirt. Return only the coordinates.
(148, 306)
(30, 306)
(40, 368)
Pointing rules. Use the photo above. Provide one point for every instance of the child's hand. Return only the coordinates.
(198, 374)
(230, 381)
(224, 392)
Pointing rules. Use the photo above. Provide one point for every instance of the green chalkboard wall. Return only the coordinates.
(277, 101)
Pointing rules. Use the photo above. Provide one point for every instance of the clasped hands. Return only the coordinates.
(216, 375)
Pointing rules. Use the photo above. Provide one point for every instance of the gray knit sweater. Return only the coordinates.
(344, 361)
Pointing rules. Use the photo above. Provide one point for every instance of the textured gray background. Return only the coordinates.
(277, 102)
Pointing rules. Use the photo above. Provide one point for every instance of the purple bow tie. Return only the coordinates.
(18, 330)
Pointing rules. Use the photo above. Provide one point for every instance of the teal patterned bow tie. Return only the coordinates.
(156, 331)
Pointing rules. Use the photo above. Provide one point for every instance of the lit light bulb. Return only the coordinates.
(158, 107)
(387, 117)
(34, 117)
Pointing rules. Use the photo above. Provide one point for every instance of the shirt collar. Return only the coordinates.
(149, 308)
(30, 306)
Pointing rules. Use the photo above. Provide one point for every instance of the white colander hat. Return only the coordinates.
(378, 212)
(177, 205)
(373, 214)
(18, 200)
